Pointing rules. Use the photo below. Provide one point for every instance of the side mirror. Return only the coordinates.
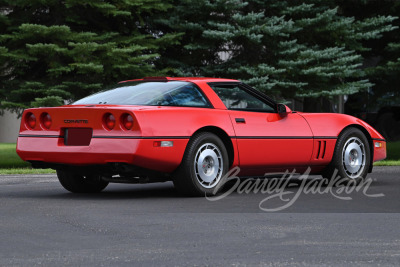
(281, 108)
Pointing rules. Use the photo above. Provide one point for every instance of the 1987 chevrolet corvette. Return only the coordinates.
(190, 131)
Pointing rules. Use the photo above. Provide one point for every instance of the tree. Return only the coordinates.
(51, 51)
(285, 48)
(382, 60)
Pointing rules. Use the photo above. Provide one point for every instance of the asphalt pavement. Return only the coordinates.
(298, 223)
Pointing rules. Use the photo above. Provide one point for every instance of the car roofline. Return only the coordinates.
(187, 79)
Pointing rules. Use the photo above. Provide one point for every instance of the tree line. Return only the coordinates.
(52, 52)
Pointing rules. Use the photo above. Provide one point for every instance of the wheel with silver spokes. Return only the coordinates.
(203, 165)
(352, 156)
(208, 165)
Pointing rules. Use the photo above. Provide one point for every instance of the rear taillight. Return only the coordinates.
(109, 121)
(127, 121)
(30, 120)
(45, 120)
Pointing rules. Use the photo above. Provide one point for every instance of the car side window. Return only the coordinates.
(235, 98)
(187, 96)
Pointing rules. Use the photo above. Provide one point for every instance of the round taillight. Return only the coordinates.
(45, 120)
(127, 121)
(109, 121)
(30, 120)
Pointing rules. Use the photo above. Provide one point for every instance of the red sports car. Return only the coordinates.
(190, 131)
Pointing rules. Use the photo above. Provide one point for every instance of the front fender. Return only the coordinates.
(332, 124)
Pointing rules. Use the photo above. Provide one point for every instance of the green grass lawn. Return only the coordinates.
(385, 163)
(9, 158)
(10, 163)
(25, 171)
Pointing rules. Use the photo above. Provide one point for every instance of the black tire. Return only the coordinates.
(347, 162)
(77, 183)
(191, 180)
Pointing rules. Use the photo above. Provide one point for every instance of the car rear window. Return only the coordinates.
(171, 93)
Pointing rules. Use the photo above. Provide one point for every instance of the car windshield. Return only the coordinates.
(171, 93)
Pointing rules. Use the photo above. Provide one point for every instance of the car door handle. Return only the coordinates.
(240, 120)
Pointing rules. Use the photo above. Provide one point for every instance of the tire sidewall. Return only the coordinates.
(338, 162)
(193, 148)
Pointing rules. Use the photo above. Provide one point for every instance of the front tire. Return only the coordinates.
(77, 183)
(351, 157)
(203, 166)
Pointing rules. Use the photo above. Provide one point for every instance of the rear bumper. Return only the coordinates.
(136, 151)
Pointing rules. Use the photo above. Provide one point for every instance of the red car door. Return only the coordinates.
(267, 141)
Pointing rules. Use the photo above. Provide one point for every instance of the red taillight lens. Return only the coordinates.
(46, 120)
(30, 120)
(109, 121)
(127, 121)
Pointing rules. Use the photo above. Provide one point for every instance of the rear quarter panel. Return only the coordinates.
(169, 121)
(178, 124)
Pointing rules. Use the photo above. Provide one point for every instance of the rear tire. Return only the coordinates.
(203, 166)
(77, 183)
(351, 157)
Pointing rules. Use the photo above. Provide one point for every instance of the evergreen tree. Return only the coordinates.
(52, 51)
(383, 59)
(284, 48)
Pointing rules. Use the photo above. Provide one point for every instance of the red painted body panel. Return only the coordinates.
(177, 121)
(322, 152)
(263, 141)
(183, 122)
(158, 123)
(266, 142)
(332, 124)
(100, 151)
